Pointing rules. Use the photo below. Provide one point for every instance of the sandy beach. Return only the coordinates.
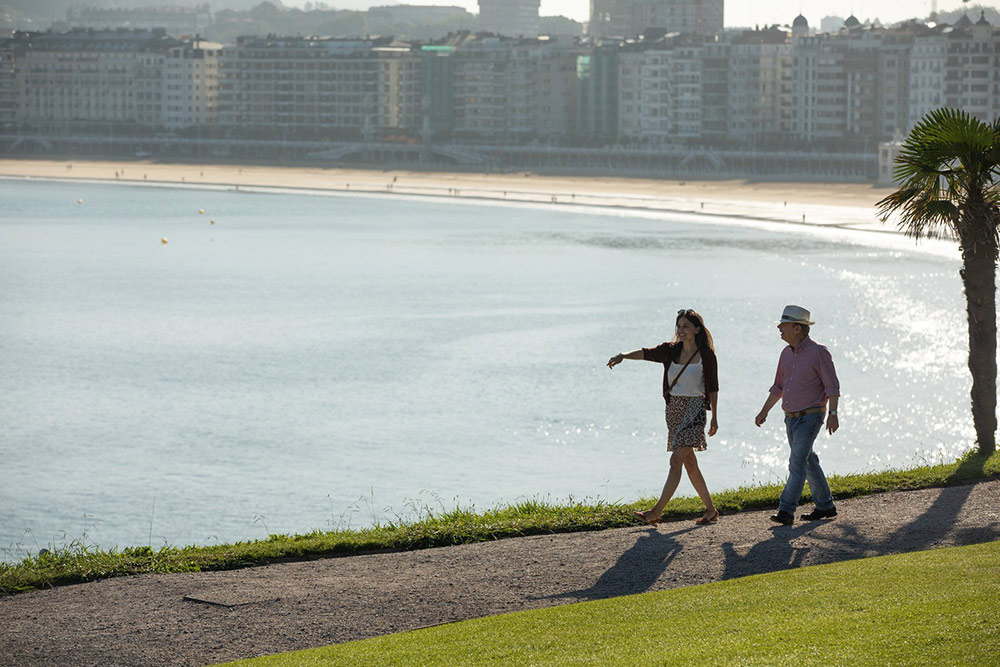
(845, 205)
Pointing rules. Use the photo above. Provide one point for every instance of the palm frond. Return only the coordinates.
(950, 139)
(948, 158)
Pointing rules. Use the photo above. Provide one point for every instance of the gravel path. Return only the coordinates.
(204, 618)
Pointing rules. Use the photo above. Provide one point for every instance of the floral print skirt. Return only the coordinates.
(686, 419)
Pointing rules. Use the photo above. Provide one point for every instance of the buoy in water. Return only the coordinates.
(79, 201)
(163, 240)
(201, 211)
(212, 222)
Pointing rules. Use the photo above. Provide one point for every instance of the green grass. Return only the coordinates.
(930, 607)
(79, 563)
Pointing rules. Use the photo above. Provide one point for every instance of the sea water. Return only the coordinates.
(320, 362)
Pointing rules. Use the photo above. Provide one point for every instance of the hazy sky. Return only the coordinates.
(751, 12)
(738, 12)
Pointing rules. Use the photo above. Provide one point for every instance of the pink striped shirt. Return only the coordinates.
(805, 377)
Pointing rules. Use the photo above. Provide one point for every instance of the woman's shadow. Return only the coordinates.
(636, 570)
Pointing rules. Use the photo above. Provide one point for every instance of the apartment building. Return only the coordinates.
(190, 90)
(86, 76)
(631, 18)
(400, 87)
(481, 85)
(870, 84)
(842, 81)
(688, 17)
(684, 86)
(510, 18)
(437, 89)
(597, 93)
(305, 84)
(611, 18)
(672, 88)
(8, 84)
(631, 61)
(760, 86)
(928, 59)
(715, 90)
(542, 96)
(669, 103)
(972, 69)
(514, 89)
(892, 103)
(819, 88)
(861, 85)
(149, 88)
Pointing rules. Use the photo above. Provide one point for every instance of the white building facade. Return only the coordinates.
(86, 75)
(928, 59)
(972, 70)
(191, 84)
(760, 86)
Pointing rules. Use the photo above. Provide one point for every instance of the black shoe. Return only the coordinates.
(783, 517)
(817, 514)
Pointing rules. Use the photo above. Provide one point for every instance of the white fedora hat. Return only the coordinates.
(796, 315)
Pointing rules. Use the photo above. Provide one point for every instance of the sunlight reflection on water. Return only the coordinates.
(322, 360)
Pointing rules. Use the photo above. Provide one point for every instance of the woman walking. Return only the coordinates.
(690, 386)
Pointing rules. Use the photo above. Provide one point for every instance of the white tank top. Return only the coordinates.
(691, 383)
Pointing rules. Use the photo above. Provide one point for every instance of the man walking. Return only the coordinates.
(806, 382)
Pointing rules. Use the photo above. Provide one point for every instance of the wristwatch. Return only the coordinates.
(833, 413)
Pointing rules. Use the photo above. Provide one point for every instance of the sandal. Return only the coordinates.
(644, 516)
(705, 520)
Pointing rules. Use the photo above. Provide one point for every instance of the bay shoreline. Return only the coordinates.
(835, 205)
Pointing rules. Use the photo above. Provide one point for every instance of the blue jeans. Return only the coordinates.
(803, 464)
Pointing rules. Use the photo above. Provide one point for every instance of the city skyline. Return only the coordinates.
(748, 12)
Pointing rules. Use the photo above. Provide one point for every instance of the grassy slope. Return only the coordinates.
(930, 607)
(80, 563)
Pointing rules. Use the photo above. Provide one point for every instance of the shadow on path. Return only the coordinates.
(936, 525)
(930, 527)
(636, 570)
(774, 553)
(644, 563)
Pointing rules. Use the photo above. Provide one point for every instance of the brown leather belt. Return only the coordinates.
(803, 413)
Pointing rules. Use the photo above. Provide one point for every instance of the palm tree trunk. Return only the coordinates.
(979, 279)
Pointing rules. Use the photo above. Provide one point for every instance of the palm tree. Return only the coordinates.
(948, 169)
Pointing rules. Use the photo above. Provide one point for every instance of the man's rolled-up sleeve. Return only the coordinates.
(828, 374)
(778, 388)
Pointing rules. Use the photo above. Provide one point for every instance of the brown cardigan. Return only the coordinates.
(668, 353)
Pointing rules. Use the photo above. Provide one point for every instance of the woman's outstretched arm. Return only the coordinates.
(618, 358)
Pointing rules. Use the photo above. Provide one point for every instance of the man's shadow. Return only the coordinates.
(770, 555)
(636, 570)
(933, 527)
(639, 567)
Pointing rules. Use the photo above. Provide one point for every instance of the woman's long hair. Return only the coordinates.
(703, 339)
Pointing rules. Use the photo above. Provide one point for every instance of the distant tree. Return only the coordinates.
(265, 11)
(342, 24)
(559, 25)
(948, 171)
